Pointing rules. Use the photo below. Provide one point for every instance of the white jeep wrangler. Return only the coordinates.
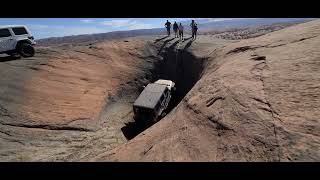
(16, 40)
(149, 107)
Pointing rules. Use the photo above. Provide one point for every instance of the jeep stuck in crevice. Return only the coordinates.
(154, 99)
(16, 40)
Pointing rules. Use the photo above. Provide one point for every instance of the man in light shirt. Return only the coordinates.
(181, 31)
(194, 29)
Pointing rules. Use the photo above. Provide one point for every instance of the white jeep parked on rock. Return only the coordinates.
(16, 40)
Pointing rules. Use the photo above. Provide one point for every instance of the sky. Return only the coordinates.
(57, 27)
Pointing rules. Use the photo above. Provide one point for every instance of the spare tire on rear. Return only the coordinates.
(26, 50)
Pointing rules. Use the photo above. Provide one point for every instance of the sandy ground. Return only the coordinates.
(257, 100)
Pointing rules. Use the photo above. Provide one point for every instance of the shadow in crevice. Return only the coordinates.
(132, 129)
(9, 58)
(177, 65)
(183, 68)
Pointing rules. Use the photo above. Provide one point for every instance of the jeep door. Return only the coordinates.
(164, 101)
(167, 98)
(7, 41)
(162, 104)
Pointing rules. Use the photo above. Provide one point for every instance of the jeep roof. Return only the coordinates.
(150, 96)
(11, 26)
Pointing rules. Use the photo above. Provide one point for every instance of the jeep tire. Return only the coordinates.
(26, 50)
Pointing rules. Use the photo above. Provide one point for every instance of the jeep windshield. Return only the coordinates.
(141, 112)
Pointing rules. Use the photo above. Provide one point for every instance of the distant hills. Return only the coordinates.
(205, 25)
(98, 37)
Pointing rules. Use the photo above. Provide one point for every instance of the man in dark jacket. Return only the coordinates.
(168, 26)
(175, 29)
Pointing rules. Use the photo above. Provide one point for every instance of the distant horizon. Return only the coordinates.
(96, 33)
(42, 28)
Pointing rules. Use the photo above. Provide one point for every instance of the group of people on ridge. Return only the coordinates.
(178, 29)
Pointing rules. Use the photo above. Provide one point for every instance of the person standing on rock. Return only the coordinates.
(181, 31)
(194, 29)
(168, 26)
(175, 29)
